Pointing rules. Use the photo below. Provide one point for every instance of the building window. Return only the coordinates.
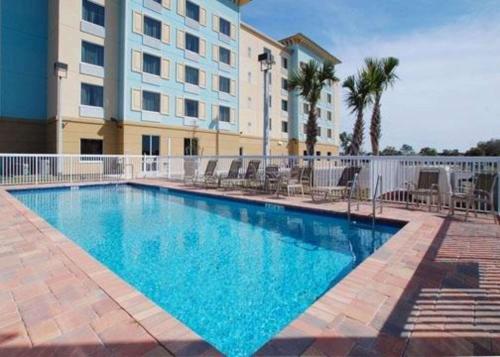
(224, 27)
(192, 75)
(329, 116)
(191, 146)
(305, 128)
(93, 13)
(329, 133)
(319, 131)
(151, 145)
(224, 114)
(151, 64)
(249, 77)
(151, 101)
(224, 84)
(284, 126)
(306, 108)
(192, 11)
(270, 101)
(284, 84)
(270, 124)
(90, 147)
(319, 112)
(152, 27)
(241, 150)
(284, 105)
(249, 52)
(92, 95)
(224, 55)
(318, 153)
(249, 102)
(284, 62)
(305, 153)
(191, 108)
(92, 54)
(329, 153)
(192, 43)
(329, 98)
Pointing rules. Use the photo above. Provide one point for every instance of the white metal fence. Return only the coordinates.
(396, 171)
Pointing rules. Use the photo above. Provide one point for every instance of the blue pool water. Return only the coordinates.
(236, 273)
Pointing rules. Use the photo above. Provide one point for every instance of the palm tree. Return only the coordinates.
(310, 81)
(358, 97)
(381, 74)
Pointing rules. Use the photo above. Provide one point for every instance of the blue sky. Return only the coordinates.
(449, 92)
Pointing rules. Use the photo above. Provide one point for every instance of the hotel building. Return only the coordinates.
(167, 77)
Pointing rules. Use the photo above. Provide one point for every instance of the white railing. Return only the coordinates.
(395, 171)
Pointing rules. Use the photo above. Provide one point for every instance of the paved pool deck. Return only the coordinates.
(433, 289)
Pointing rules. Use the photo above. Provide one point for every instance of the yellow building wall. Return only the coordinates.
(251, 82)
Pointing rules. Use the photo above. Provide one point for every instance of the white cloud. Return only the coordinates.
(449, 92)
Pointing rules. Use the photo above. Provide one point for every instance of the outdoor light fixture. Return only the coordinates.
(60, 71)
(266, 60)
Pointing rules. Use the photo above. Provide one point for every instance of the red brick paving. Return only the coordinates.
(433, 289)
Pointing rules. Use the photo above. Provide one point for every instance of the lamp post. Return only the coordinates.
(266, 60)
(60, 71)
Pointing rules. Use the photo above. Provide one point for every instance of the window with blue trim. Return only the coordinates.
(224, 114)
(224, 55)
(193, 11)
(151, 64)
(192, 75)
(192, 43)
(191, 108)
(92, 95)
(152, 27)
(224, 84)
(93, 13)
(92, 54)
(151, 101)
(224, 27)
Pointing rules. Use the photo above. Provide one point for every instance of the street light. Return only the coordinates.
(60, 71)
(266, 60)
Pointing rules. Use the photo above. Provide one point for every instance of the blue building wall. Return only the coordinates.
(23, 58)
(301, 54)
(133, 80)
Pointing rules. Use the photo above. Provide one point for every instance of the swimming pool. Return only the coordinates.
(236, 273)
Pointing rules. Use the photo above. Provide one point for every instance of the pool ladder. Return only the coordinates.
(377, 200)
(355, 194)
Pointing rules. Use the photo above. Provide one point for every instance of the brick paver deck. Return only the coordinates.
(433, 289)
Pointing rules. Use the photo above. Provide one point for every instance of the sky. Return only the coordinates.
(448, 94)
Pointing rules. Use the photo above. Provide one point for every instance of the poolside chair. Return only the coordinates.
(233, 174)
(190, 169)
(272, 178)
(341, 190)
(251, 179)
(306, 179)
(209, 178)
(481, 191)
(293, 183)
(426, 188)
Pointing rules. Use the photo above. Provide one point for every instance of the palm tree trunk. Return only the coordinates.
(312, 131)
(375, 126)
(357, 134)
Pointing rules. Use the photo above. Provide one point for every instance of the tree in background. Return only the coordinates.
(407, 150)
(310, 81)
(358, 97)
(381, 74)
(390, 151)
(485, 148)
(447, 152)
(428, 152)
(345, 142)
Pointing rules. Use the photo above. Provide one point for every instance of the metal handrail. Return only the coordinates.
(378, 187)
(354, 187)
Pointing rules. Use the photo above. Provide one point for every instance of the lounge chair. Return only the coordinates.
(209, 178)
(293, 183)
(272, 179)
(341, 190)
(190, 168)
(481, 191)
(427, 187)
(233, 174)
(251, 179)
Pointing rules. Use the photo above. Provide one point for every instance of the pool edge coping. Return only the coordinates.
(323, 309)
